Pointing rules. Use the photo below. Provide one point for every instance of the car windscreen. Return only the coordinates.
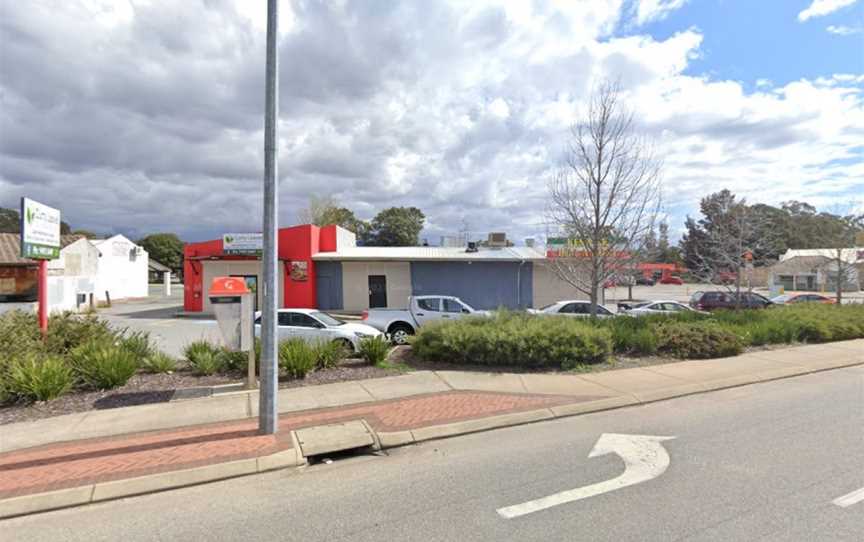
(326, 319)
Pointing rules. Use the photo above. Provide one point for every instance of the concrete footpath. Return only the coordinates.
(100, 455)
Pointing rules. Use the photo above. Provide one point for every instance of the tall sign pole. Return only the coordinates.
(267, 411)
(40, 241)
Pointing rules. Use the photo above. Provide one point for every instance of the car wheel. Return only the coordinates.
(399, 334)
(347, 347)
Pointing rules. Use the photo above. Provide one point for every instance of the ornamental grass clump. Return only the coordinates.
(102, 366)
(297, 358)
(374, 350)
(36, 377)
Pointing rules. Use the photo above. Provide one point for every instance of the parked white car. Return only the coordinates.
(659, 307)
(402, 323)
(314, 326)
(579, 309)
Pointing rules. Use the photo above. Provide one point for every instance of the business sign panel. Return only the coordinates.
(40, 230)
(243, 243)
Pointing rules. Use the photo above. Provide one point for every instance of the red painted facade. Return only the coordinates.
(296, 244)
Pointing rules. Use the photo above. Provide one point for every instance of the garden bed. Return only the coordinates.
(144, 388)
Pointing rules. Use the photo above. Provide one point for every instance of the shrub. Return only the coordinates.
(102, 366)
(330, 353)
(138, 343)
(206, 362)
(19, 335)
(297, 357)
(374, 349)
(232, 360)
(197, 348)
(37, 378)
(515, 339)
(68, 331)
(159, 362)
(697, 340)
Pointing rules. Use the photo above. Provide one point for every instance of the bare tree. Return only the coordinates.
(606, 198)
(736, 242)
(318, 210)
(839, 237)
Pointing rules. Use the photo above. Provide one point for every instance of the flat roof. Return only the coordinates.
(441, 254)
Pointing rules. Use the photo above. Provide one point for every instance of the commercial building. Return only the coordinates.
(324, 268)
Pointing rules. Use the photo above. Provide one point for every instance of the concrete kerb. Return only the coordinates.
(117, 489)
(65, 498)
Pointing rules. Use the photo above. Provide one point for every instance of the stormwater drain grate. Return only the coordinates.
(336, 437)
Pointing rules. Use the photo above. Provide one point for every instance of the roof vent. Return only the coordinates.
(472, 247)
(498, 239)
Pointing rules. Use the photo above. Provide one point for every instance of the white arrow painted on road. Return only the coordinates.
(644, 459)
(850, 498)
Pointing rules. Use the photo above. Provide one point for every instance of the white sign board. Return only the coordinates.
(40, 230)
(242, 243)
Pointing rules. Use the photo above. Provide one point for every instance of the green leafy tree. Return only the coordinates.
(165, 248)
(85, 233)
(395, 227)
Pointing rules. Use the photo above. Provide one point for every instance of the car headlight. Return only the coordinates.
(360, 334)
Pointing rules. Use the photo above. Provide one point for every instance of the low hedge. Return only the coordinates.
(696, 340)
(515, 339)
(519, 339)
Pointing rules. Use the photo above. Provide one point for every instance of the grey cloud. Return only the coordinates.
(156, 124)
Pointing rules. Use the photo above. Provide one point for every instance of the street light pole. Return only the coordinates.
(267, 411)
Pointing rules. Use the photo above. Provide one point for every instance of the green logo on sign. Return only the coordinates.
(30, 214)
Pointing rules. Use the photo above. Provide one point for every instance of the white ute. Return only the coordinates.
(402, 323)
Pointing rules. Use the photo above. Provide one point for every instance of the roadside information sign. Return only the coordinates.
(40, 231)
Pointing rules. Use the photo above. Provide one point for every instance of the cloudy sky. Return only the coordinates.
(142, 116)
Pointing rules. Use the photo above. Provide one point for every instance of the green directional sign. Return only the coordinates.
(40, 230)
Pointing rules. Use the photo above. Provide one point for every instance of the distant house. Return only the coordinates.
(157, 270)
(813, 272)
(123, 269)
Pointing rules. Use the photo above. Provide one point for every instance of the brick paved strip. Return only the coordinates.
(67, 465)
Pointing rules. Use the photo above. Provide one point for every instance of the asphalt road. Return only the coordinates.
(761, 462)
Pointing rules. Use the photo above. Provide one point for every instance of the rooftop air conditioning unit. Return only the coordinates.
(529, 242)
(472, 247)
(497, 239)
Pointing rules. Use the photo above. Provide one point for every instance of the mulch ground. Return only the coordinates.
(145, 389)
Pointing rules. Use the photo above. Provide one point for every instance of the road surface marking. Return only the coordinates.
(644, 459)
(850, 498)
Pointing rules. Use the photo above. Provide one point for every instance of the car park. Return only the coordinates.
(668, 307)
(315, 326)
(400, 324)
(709, 301)
(794, 299)
(578, 309)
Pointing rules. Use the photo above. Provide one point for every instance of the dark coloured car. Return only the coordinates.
(709, 301)
(645, 281)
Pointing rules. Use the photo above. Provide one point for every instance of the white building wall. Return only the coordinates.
(122, 269)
